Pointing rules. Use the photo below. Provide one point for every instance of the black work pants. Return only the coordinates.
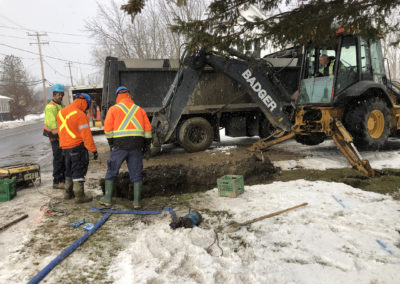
(58, 162)
(76, 162)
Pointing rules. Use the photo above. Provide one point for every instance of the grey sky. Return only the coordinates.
(64, 22)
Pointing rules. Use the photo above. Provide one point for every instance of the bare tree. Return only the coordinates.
(17, 84)
(148, 36)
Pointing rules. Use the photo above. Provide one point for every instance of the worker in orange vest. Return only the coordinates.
(128, 133)
(75, 140)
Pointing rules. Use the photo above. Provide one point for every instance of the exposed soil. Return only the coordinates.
(174, 172)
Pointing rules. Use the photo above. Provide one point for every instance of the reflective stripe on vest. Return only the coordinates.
(129, 117)
(64, 123)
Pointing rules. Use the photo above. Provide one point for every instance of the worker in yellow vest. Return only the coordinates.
(327, 65)
(50, 130)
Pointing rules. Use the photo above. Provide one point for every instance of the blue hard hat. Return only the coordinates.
(120, 89)
(84, 96)
(58, 88)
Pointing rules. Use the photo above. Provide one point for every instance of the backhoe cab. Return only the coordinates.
(350, 100)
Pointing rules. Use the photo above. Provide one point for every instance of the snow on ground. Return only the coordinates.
(339, 237)
(327, 156)
(30, 118)
(323, 242)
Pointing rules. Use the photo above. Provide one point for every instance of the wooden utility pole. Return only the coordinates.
(70, 74)
(41, 63)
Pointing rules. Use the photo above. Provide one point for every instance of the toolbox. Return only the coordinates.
(25, 173)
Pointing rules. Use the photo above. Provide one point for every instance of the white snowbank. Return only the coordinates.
(30, 118)
(320, 243)
(327, 156)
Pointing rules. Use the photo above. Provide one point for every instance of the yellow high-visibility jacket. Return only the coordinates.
(50, 119)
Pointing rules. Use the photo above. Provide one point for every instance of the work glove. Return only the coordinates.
(146, 148)
(95, 155)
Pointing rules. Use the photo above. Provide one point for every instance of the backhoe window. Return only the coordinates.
(310, 63)
(316, 87)
(315, 90)
(347, 71)
(377, 62)
(365, 60)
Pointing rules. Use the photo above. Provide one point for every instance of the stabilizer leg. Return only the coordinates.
(344, 142)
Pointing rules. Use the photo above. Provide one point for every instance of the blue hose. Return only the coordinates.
(42, 274)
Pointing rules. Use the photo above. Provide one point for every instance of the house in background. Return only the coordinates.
(5, 108)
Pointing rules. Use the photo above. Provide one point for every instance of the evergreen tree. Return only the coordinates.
(286, 22)
(15, 84)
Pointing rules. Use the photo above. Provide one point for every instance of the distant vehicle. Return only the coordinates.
(95, 92)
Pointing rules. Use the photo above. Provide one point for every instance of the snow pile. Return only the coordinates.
(30, 118)
(332, 240)
(327, 156)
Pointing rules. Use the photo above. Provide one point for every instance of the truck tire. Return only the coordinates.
(368, 121)
(196, 134)
(312, 139)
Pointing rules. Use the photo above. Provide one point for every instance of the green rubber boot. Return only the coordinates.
(106, 200)
(79, 191)
(137, 191)
(68, 193)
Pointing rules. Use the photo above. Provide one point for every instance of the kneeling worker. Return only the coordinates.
(128, 133)
(75, 140)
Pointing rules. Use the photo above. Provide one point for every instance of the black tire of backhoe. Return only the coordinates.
(356, 119)
(203, 125)
(311, 140)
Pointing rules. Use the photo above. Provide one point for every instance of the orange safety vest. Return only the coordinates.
(127, 121)
(73, 128)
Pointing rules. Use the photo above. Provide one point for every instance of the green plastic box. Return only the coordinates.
(7, 189)
(230, 185)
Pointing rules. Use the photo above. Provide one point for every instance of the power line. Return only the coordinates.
(50, 32)
(51, 41)
(55, 71)
(33, 58)
(15, 37)
(3, 44)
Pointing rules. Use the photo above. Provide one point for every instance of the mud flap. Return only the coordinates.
(344, 141)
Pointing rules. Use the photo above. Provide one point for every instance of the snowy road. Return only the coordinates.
(24, 144)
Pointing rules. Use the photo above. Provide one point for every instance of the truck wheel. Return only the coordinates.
(196, 134)
(368, 121)
(312, 139)
(265, 129)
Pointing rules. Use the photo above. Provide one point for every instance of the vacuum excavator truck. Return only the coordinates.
(353, 102)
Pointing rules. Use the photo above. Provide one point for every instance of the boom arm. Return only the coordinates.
(255, 76)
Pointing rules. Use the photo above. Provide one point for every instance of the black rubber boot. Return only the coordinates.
(69, 193)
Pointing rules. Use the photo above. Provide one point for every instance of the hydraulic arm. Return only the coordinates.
(255, 75)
